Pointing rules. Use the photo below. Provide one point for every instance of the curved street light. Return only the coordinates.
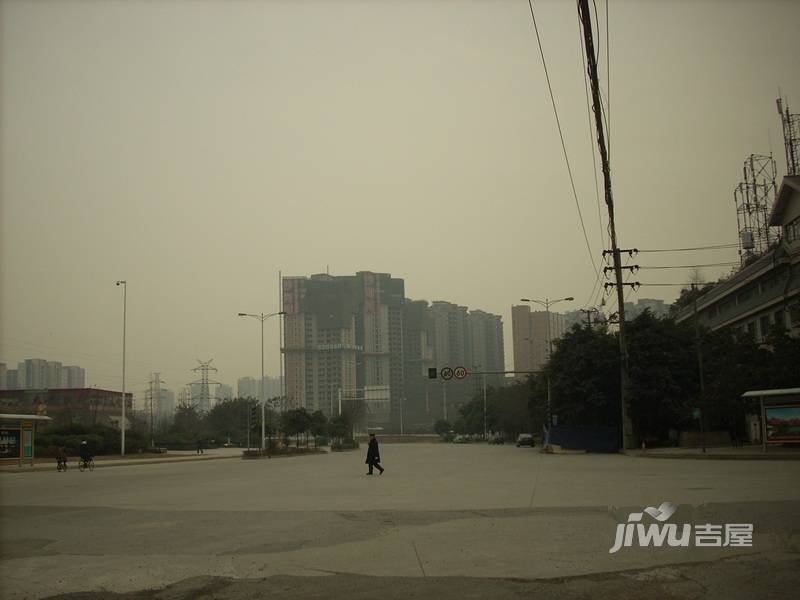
(547, 303)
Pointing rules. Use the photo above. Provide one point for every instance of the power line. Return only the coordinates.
(561, 135)
(722, 264)
(665, 284)
(716, 247)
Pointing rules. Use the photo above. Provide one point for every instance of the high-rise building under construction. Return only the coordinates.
(343, 342)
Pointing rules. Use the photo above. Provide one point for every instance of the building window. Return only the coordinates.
(764, 326)
(793, 230)
(779, 319)
(794, 314)
(745, 295)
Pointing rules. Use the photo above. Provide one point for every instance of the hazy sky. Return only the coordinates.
(197, 148)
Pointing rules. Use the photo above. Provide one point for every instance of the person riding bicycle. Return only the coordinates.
(86, 456)
(61, 456)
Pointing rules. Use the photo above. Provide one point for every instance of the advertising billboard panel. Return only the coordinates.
(783, 424)
(9, 443)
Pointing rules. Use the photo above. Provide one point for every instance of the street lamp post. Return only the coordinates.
(485, 430)
(483, 374)
(124, 285)
(547, 303)
(262, 317)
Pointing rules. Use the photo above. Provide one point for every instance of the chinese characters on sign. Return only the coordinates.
(660, 533)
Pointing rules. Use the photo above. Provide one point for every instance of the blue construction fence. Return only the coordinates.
(590, 439)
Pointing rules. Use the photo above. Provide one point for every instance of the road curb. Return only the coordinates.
(713, 456)
(104, 465)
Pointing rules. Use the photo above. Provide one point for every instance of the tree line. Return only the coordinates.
(228, 421)
(665, 393)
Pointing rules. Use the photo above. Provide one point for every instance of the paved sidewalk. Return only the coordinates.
(129, 460)
(721, 453)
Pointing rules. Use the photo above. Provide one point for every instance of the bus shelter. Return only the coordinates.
(780, 415)
(17, 436)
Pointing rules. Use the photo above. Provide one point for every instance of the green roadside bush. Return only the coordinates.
(101, 439)
(346, 444)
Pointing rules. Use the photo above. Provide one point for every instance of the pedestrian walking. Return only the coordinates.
(373, 455)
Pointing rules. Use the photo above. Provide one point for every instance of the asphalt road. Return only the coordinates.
(456, 521)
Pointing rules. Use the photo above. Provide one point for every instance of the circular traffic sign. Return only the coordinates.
(447, 373)
(460, 372)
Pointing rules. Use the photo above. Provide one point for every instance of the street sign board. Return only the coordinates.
(460, 373)
(447, 373)
(432, 373)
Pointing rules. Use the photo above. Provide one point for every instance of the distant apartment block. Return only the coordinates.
(73, 377)
(444, 334)
(165, 406)
(12, 379)
(224, 392)
(485, 333)
(658, 308)
(40, 374)
(273, 387)
(247, 387)
(531, 331)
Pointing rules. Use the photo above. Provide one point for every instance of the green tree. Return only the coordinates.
(663, 375)
(510, 409)
(584, 379)
(187, 421)
(296, 422)
(733, 363)
(688, 295)
(442, 427)
(339, 427)
(319, 425)
(228, 419)
(784, 368)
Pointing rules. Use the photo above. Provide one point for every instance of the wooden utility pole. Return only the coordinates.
(586, 22)
(700, 371)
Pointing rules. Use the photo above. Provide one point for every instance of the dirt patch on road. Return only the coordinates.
(742, 577)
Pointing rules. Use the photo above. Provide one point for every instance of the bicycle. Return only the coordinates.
(61, 465)
(86, 464)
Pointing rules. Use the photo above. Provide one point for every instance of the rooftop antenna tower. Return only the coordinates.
(791, 137)
(754, 197)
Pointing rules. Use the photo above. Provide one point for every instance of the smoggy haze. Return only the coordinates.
(197, 148)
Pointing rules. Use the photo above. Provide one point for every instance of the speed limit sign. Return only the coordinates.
(460, 372)
(447, 373)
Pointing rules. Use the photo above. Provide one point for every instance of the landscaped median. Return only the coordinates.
(281, 452)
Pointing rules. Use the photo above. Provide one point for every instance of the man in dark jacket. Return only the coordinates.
(373, 455)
